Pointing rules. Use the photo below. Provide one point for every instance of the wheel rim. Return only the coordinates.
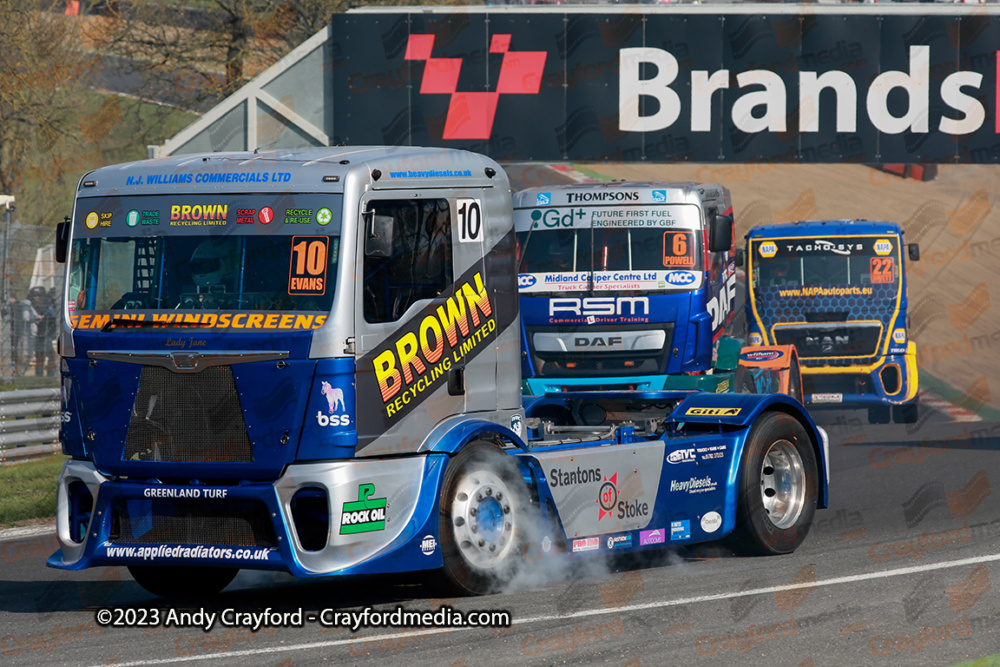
(484, 518)
(783, 484)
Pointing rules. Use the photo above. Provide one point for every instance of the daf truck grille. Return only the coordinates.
(243, 523)
(596, 352)
(188, 417)
(854, 340)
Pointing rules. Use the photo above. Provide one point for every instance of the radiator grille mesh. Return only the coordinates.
(188, 417)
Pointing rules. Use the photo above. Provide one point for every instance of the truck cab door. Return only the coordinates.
(412, 316)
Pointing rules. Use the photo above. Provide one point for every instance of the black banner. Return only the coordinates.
(846, 86)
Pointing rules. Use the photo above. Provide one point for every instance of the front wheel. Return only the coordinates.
(182, 582)
(483, 518)
(778, 487)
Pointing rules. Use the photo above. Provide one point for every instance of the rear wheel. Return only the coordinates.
(906, 413)
(778, 487)
(483, 517)
(879, 414)
(182, 582)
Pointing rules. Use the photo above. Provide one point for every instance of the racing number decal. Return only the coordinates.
(470, 220)
(307, 265)
(883, 269)
(678, 249)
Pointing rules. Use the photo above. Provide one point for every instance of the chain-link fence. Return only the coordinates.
(31, 288)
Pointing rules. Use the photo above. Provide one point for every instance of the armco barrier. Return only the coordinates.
(29, 424)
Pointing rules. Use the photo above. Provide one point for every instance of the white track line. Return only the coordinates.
(956, 413)
(582, 614)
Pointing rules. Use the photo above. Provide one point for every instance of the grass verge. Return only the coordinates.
(29, 492)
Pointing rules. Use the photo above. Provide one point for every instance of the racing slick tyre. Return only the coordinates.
(879, 414)
(182, 582)
(484, 516)
(906, 413)
(743, 382)
(778, 487)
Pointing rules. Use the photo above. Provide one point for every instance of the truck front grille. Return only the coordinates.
(855, 340)
(243, 523)
(188, 417)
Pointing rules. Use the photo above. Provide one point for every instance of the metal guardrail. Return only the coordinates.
(29, 424)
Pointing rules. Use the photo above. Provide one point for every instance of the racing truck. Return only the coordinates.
(836, 290)
(308, 361)
(631, 286)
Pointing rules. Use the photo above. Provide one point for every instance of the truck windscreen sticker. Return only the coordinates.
(883, 269)
(308, 264)
(679, 249)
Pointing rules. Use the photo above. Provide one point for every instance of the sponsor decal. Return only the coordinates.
(606, 306)
(823, 246)
(681, 277)
(195, 215)
(587, 544)
(721, 304)
(546, 544)
(515, 424)
(335, 401)
(609, 504)
(246, 216)
(132, 218)
(899, 336)
(723, 386)
(713, 412)
(681, 456)
(416, 361)
(526, 280)
(560, 477)
(760, 355)
(768, 249)
(694, 485)
(471, 114)
(660, 196)
(711, 452)
(105, 220)
(711, 522)
(222, 320)
(543, 199)
(364, 515)
(827, 398)
(613, 195)
(324, 216)
(428, 545)
(149, 217)
(619, 541)
(756, 339)
(298, 216)
(651, 537)
(184, 492)
(265, 215)
(607, 497)
(883, 247)
(680, 530)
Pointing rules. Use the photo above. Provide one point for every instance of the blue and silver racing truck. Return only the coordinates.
(308, 361)
(836, 290)
(632, 286)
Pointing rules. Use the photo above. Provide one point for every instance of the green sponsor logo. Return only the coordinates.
(363, 515)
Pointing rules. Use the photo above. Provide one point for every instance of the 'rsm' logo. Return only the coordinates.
(600, 305)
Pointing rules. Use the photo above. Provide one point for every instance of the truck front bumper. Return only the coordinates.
(893, 381)
(338, 517)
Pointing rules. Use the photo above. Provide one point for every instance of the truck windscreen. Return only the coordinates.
(609, 248)
(205, 260)
(806, 267)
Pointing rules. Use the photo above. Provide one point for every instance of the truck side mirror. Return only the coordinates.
(741, 257)
(720, 233)
(378, 240)
(62, 240)
(913, 249)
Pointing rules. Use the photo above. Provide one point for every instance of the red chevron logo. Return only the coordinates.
(471, 114)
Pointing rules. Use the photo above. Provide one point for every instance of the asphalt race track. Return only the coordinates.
(897, 571)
